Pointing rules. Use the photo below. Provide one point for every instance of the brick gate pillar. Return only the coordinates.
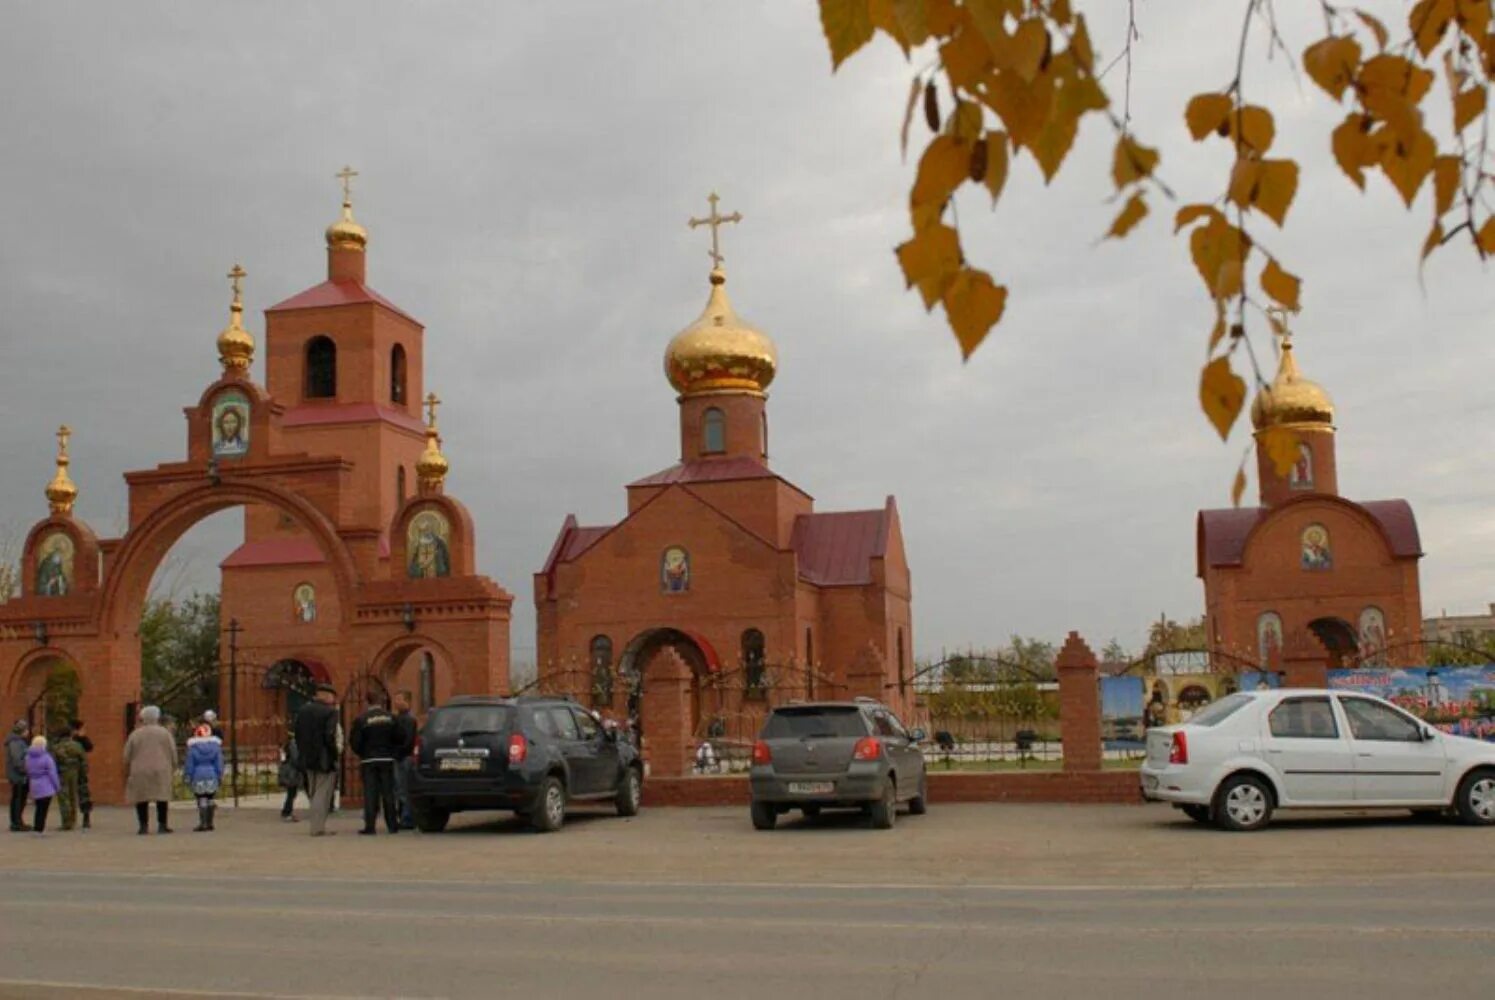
(665, 714)
(1079, 705)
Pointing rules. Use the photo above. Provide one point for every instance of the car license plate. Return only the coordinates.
(461, 764)
(1149, 782)
(811, 787)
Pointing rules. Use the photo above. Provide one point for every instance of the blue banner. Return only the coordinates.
(1458, 700)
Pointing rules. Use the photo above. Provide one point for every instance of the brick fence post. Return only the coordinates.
(665, 714)
(1079, 705)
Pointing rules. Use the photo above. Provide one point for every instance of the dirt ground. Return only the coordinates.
(996, 845)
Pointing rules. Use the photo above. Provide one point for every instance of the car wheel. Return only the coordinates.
(429, 819)
(764, 815)
(1243, 803)
(1199, 814)
(1476, 798)
(630, 792)
(550, 806)
(919, 804)
(884, 810)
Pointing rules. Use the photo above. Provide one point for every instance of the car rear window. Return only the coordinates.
(1219, 711)
(458, 719)
(795, 723)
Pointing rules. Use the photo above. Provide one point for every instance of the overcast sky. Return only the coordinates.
(526, 171)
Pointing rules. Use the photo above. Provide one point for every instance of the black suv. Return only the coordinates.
(528, 755)
(829, 754)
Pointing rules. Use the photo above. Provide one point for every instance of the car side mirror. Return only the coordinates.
(917, 736)
(1426, 733)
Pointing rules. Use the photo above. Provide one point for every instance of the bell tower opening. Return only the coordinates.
(321, 368)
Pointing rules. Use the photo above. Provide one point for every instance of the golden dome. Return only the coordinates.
(1291, 399)
(346, 233)
(719, 352)
(61, 492)
(432, 466)
(236, 344)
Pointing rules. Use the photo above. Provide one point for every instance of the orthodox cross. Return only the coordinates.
(63, 433)
(715, 220)
(346, 175)
(431, 403)
(235, 277)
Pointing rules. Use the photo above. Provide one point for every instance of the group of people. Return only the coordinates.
(383, 740)
(41, 770)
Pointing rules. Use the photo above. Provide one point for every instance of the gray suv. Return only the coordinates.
(836, 754)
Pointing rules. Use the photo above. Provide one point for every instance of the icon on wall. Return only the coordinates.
(1316, 551)
(674, 570)
(230, 425)
(428, 546)
(305, 598)
(1269, 640)
(54, 565)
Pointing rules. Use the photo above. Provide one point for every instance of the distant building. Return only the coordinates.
(1447, 627)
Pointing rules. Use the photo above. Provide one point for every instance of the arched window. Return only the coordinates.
(752, 663)
(602, 672)
(809, 663)
(427, 682)
(321, 368)
(902, 673)
(400, 484)
(714, 432)
(397, 375)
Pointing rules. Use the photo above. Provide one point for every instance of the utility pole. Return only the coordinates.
(233, 703)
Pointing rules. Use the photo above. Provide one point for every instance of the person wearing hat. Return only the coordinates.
(203, 772)
(41, 772)
(319, 740)
(16, 745)
(210, 719)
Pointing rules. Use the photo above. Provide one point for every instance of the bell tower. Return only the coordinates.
(1296, 406)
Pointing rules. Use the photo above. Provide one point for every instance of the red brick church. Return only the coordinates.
(722, 590)
(1309, 579)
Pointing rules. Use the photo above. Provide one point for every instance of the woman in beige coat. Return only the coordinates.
(150, 764)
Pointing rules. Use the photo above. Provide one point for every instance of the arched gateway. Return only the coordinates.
(342, 576)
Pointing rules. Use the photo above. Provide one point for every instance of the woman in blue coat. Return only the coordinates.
(203, 772)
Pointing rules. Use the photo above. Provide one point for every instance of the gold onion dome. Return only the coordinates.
(346, 233)
(236, 344)
(720, 352)
(61, 491)
(1291, 399)
(432, 466)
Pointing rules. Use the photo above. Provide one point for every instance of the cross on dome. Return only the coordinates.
(346, 175)
(715, 220)
(432, 401)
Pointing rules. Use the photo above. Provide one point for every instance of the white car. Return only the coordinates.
(1251, 753)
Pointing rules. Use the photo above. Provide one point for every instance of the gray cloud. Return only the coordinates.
(526, 174)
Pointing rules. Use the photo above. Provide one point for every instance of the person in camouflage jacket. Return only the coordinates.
(85, 797)
(71, 764)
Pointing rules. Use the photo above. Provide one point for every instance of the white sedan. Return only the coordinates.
(1251, 753)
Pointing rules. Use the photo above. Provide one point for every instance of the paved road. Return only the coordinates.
(66, 933)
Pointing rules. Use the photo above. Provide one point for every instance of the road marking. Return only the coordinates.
(163, 991)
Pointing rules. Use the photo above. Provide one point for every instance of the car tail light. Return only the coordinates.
(518, 748)
(1178, 752)
(867, 748)
(761, 753)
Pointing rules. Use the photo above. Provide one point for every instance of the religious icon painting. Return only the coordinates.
(230, 425)
(1372, 638)
(1269, 640)
(304, 598)
(428, 542)
(674, 570)
(1316, 553)
(54, 564)
(1301, 476)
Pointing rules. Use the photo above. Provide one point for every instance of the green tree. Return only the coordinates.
(1467, 649)
(179, 654)
(1115, 652)
(1165, 635)
(1034, 656)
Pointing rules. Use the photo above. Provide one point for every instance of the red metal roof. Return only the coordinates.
(837, 549)
(338, 293)
(275, 552)
(1223, 533)
(709, 470)
(348, 413)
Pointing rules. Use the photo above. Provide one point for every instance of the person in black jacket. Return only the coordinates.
(376, 738)
(404, 759)
(319, 738)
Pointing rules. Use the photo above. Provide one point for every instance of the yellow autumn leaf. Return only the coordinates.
(913, 19)
(1276, 188)
(1446, 173)
(1217, 332)
(996, 163)
(1332, 63)
(1029, 44)
(1281, 446)
(847, 25)
(1195, 212)
(908, 115)
(965, 122)
(1354, 149)
(1206, 113)
(1244, 178)
(1399, 114)
(1468, 105)
(884, 20)
(1023, 107)
(1397, 75)
(1428, 21)
(1238, 487)
(1280, 285)
(1406, 166)
(1219, 251)
(1133, 213)
(966, 59)
(1376, 27)
(973, 305)
(1252, 126)
(942, 16)
(1053, 142)
(941, 170)
(1080, 47)
(1433, 241)
(930, 261)
(1132, 161)
(1222, 393)
(1486, 236)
